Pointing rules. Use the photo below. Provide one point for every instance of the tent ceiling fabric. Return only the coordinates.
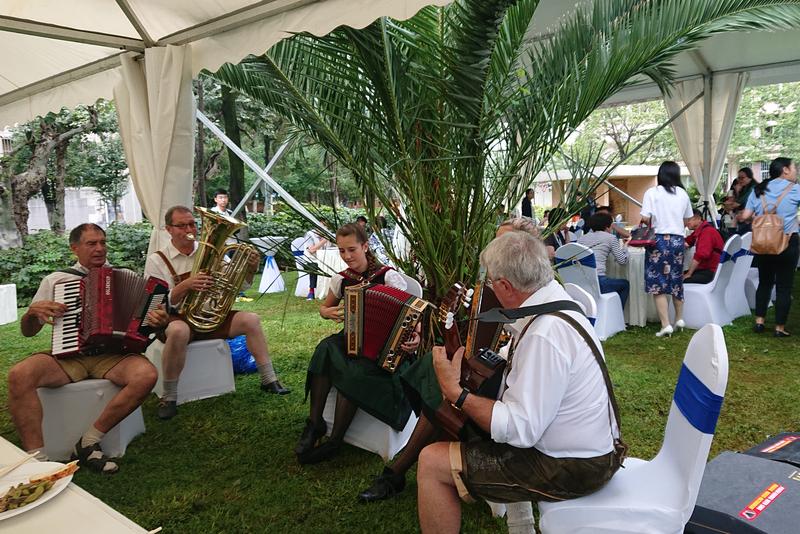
(61, 54)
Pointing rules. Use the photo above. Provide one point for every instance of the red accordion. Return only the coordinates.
(378, 319)
(106, 312)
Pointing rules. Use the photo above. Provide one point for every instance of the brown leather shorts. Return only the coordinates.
(223, 332)
(501, 473)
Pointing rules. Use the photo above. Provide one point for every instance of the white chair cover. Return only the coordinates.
(735, 293)
(298, 250)
(585, 300)
(575, 264)
(705, 303)
(658, 496)
(412, 285)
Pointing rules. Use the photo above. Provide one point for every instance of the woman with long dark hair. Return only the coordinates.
(781, 193)
(666, 208)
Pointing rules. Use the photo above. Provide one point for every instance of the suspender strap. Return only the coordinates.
(600, 361)
(70, 270)
(176, 279)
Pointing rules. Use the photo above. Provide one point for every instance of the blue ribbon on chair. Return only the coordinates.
(587, 261)
(725, 257)
(698, 404)
(591, 320)
(296, 253)
(270, 262)
(741, 252)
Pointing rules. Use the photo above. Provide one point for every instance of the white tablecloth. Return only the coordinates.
(271, 279)
(71, 511)
(331, 263)
(640, 307)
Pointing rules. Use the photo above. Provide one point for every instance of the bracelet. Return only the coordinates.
(461, 398)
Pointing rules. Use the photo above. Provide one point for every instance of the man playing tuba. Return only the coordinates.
(174, 263)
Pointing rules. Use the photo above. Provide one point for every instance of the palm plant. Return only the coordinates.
(453, 110)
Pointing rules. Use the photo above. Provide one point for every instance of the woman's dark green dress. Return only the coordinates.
(360, 380)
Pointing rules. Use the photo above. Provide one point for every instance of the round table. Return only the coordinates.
(640, 307)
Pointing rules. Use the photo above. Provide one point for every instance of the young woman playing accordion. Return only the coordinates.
(360, 382)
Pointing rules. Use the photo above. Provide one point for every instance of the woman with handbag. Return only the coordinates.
(666, 208)
(779, 195)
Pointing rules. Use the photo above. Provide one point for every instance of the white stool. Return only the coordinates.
(208, 371)
(70, 410)
(8, 303)
(370, 434)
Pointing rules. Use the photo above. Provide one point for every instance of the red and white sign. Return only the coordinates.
(760, 503)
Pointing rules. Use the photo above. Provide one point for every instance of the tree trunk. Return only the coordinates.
(9, 237)
(330, 164)
(29, 182)
(199, 185)
(56, 213)
(236, 184)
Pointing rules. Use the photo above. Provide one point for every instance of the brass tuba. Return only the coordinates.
(206, 310)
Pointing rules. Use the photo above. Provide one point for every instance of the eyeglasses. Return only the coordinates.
(490, 283)
(184, 225)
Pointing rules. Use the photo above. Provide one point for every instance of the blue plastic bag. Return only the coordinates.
(243, 361)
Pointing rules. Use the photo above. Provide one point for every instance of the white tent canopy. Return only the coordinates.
(61, 54)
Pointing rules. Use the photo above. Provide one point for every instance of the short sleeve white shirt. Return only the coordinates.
(667, 210)
(391, 278)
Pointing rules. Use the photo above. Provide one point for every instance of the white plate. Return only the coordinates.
(22, 474)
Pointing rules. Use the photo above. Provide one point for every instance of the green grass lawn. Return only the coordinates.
(226, 464)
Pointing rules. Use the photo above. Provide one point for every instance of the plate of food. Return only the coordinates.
(32, 484)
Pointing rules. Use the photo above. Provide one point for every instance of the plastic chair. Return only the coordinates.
(299, 250)
(412, 285)
(585, 300)
(735, 293)
(576, 265)
(705, 303)
(659, 495)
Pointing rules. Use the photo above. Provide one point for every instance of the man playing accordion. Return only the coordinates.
(173, 264)
(132, 372)
(552, 433)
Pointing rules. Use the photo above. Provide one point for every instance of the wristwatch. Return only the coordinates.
(461, 398)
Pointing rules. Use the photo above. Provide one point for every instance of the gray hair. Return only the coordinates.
(520, 258)
(521, 224)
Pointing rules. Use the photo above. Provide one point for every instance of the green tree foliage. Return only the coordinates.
(767, 124)
(436, 111)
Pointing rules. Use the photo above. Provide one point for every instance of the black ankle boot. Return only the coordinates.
(311, 434)
(386, 485)
(321, 453)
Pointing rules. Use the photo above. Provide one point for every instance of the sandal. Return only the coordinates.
(94, 459)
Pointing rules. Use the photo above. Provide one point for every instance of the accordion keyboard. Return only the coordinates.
(66, 328)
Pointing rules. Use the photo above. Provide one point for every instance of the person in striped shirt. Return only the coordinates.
(603, 243)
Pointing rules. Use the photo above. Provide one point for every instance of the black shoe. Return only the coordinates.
(782, 333)
(322, 453)
(758, 328)
(311, 434)
(167, 409)
(93, 458)
(386, 485)
(275, 387)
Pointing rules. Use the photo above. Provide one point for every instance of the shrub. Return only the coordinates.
(289, 224)
(45, 252)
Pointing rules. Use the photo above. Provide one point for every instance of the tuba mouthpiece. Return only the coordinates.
(190, 237)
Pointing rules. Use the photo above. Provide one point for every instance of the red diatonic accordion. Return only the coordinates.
(106, 312)
(378, 319)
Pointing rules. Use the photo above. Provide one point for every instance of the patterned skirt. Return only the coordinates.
(663, 270)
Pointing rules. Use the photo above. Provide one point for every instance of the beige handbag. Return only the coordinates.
(768, 235)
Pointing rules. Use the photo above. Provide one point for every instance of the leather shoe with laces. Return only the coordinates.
(311, 434)
(167, 409)
(275, 387)
(321, 453)
(384, 486)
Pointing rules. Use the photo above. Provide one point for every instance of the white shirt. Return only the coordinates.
(182, 263)
(667, 210)
(46, 286)
(391, 278)
(555, 398)
(228, 212)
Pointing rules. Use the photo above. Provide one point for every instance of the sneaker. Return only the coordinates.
(386, 485)
(93, 458)
(310, 296)
(167, 409)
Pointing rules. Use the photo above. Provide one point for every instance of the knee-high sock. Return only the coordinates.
(424, 434)
(345, 411)
(320, 387)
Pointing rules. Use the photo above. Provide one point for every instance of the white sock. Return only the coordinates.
(170, 390)
(519, 518)
(267, 372)
(39, 455)
(91, 436)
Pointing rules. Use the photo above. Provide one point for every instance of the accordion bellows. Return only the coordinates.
(378, 319)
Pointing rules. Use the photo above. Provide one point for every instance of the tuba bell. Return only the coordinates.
(206, 310)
